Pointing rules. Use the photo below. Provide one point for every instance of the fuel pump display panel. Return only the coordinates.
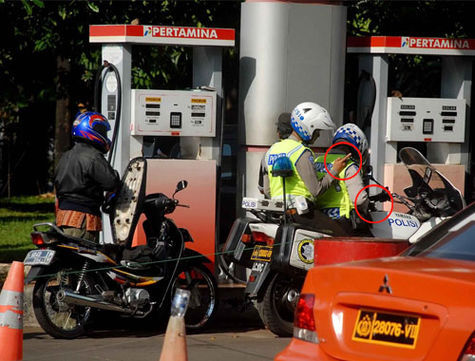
(426, 120)
(173, 113)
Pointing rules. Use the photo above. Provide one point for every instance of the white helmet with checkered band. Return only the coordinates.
(352, 134)
(308, 117)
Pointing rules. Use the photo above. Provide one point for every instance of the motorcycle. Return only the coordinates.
(75, 278)
(278, 252)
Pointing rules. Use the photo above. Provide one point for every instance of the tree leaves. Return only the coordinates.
(38, 3)
(27, 6)
(93, 7)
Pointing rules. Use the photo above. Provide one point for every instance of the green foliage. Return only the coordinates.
(411, 18)
(36, 33)
(38, 3)
(417, 76)
(17, 216)
(93, 7)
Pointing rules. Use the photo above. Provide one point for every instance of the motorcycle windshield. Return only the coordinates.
(428, 183)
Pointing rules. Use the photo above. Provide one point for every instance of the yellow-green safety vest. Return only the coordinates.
(335, 201)
(294, 186)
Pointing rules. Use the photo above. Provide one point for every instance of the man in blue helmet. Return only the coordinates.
(307, 120)
(82, 176)
(340, 200)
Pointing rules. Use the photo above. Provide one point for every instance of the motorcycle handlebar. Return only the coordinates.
(380, 197)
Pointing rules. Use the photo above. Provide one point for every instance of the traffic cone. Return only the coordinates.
(174, 345)
(11, 314)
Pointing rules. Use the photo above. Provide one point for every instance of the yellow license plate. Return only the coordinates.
(261, 253)
(386, 329)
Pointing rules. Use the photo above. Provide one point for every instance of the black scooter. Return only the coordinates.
(74, 277)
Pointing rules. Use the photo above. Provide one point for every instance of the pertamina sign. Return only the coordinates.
(161, 34)
(437, 43)
(411, 45)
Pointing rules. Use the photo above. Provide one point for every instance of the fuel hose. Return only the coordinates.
(97, 101)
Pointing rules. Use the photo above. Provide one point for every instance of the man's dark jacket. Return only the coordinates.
(81, 177)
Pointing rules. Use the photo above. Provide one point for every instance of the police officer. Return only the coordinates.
(284, 129)
(307, 120)
(338, 201)
(82, 176)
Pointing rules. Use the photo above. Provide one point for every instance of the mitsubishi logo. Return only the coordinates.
(385, 286)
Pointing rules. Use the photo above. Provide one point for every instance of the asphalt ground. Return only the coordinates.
(235, 334)
(122, 346)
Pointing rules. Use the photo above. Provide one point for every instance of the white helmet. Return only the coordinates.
(352, 134)
(308, 117)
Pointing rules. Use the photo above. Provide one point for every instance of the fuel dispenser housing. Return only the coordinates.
(192, 116)
(442, 124)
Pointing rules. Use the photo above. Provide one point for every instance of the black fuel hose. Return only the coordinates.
(97, 102)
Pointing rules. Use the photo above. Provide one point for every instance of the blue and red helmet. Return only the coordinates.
(92, 127)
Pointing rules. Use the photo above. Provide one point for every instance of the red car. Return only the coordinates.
(417, 306)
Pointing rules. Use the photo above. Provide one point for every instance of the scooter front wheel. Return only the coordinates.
(203, 302)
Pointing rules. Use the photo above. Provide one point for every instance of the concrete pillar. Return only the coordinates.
(289, 53)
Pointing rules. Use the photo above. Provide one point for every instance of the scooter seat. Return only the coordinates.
(141, 259)
(134, 265)
(143, 269)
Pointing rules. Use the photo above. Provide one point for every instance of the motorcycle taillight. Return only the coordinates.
(263, 238)
(37, 239)
(246, 238)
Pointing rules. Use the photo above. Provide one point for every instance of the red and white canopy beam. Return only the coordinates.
(411, 45)
(161, 34)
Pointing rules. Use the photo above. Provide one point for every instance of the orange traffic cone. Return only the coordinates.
(174, 345)
(11, 314)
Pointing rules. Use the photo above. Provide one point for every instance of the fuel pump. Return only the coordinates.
(190, 118)
(441, 124)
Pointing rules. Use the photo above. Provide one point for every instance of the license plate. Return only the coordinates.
(39, 257)
(261, 253)
(386, 329)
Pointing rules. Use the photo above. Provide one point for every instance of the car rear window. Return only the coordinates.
(457, 244)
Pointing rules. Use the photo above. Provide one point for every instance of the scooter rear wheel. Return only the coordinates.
(60, 319)
(277, 307)
(203, 303)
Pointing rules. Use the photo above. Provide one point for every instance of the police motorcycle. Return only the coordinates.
(278, 252)
(75, 278)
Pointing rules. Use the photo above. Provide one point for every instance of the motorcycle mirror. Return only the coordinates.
(368, 171)
(181, 185)
(282, 167)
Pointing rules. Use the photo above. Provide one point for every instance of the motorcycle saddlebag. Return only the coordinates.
(293, 249)
(235, 250)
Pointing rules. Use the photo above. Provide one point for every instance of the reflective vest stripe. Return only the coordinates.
(337, 196)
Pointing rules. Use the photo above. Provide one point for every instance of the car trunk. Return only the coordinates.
(396, 310)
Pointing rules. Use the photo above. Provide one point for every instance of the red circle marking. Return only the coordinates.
(325, 160)
(390, 196)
